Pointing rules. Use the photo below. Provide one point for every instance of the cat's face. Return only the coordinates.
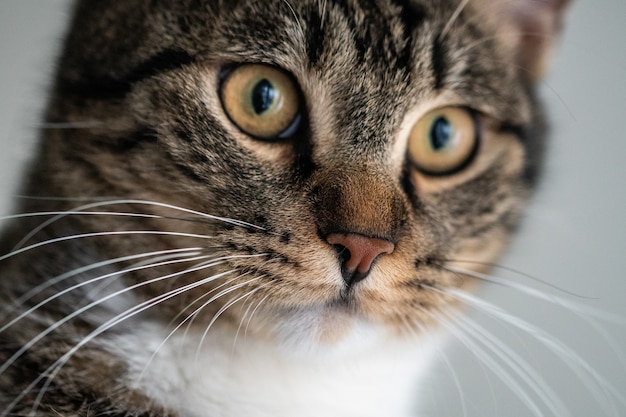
(358, 147)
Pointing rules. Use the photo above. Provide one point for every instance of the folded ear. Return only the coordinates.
(536, 25)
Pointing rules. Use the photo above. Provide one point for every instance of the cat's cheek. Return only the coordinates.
(482, 251)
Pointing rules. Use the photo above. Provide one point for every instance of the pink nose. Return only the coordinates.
(362, 251)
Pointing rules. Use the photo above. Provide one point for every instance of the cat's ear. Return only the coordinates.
(535, 25)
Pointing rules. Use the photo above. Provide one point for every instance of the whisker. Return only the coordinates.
(93, 304)
(223, 308)
(584, 312)
(154, 262)
(453, 373)
(223, 285)
(553, 299)
(87, 124)
(243, 317)
(465, 337)
(517, 272)
(106, 203)
(56, 280)
(603, 392)
(323, 8)
(295, 15)
(462, 5)
(205, 295)
(521, 367)
(226, 283)
(189, 319)
(94, 280)
(245, 333)
(54, 369)
(99, 234)
(195, 313)
(77, 213)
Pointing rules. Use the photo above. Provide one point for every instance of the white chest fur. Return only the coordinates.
(252, 379)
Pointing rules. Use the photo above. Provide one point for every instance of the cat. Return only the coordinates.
(263, 207)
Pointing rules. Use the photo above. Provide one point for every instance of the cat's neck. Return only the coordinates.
(227, 378)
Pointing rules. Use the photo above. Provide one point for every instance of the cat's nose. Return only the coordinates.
(358, 253)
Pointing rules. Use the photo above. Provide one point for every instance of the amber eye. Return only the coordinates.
(443, 141)
(262, 101)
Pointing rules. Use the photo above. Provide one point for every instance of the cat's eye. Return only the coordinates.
(444, 141)
(263, 101)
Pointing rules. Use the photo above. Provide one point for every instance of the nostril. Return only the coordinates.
(342, 252)
(357, 253)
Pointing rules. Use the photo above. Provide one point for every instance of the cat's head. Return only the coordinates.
(359, 147)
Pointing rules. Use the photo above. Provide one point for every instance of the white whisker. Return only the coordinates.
(512, 270)
(323, 8)
(78, 213)
(297, 19)
(99, 234)
(94, 280)
(93, 304)
(53, 369)
(245, 333)
(88, 124)
(521, 367)
(584, 312)
(465, 338)
(243, 317)
(189, 319)
(553, 299)
(603, 392)
(60, 278)
(106, 203)
(205, 295)
(224, 307)
(457, 12)
(442, 355)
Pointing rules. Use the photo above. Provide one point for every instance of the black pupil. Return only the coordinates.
(440, 133)
(263, 96)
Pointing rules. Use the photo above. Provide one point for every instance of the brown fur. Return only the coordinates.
(147, 73)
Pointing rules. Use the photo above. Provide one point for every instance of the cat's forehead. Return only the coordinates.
(408, 49)
(320, 33)
(377, 51)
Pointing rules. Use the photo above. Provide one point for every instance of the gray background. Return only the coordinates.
(573, 238)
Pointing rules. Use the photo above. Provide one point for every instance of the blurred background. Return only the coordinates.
(571, 249)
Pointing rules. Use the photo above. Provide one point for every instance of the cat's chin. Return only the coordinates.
(327, 330)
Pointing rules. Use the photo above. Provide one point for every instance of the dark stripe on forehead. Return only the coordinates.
(385, 33)
(348, 11)
(438, 62)
(412, 16)
(378, 37)
(107, 88)
(315, 34)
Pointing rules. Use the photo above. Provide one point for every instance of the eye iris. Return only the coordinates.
(262, 101)
(263, 96)
(444, 140)
(441, 133)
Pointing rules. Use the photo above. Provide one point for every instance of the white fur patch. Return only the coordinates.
(252, 378)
